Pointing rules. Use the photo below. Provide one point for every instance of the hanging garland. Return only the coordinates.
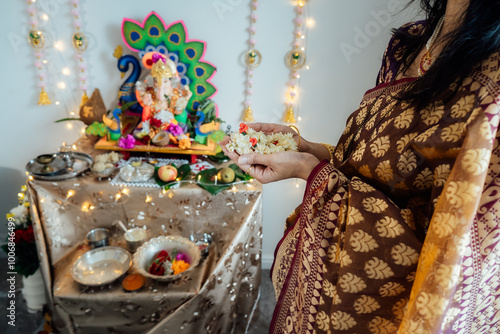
(79, 41)
(37, 42)
(253, 59)
(295, 60)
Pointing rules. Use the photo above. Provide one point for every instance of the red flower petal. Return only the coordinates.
(243, 128)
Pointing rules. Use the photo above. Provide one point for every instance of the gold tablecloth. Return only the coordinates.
(218, 296)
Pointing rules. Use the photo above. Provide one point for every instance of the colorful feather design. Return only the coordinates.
(172, 41)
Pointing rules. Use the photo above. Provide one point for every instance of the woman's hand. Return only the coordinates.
(273, 167)
(267, 168)
(277, 166)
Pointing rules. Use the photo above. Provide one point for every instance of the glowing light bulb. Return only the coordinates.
(45, 61)
(57, 103)
(299, 118)
(125, 191)
(69, 126)
(310, 22)
(66, 71)
(302, 48)
(61, 85)
(59, 45)
(45, 17)
(307, 67)
(71, 192)
(118, 196)
(148, 199)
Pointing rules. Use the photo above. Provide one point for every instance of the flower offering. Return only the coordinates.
(164, 264)
(247, 140)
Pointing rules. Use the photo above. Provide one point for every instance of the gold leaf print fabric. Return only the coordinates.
(415, 247)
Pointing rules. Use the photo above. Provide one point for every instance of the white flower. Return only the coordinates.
(266, 144)
(20, 213)
(145, 128)
(164, 116)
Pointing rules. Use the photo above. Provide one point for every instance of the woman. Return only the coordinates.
(398, 231)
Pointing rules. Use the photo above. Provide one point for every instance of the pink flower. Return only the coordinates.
(157, 56)
(175, 130)
(127, 142)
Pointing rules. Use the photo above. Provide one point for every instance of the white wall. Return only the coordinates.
(344, 49)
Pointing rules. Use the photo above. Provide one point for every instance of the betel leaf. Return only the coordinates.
(206, 180)
(219, 157)
(239, 173)
(182, 172)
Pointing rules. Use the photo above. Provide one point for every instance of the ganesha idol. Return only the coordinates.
(164, 100)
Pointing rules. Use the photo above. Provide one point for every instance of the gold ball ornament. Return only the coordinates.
(253, 58)
(36, 39)
(79, 41)
(295, 59)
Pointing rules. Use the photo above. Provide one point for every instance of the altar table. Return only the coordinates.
(218, 296)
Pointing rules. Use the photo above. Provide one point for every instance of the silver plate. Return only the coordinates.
(82, 162)
(101, 266)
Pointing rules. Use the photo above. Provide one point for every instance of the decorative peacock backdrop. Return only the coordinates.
(172, 41)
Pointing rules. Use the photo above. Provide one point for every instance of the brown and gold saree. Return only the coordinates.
(404, 235)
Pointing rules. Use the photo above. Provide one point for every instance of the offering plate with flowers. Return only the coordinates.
(166, 258)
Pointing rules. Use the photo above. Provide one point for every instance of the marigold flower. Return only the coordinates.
(179, 266)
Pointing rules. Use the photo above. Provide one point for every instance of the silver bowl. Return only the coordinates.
(107, 172)
(145, 254)
(202, 240)
(101, 266)
(141, 173)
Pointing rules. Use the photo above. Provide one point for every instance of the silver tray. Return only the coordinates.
(60, 169)
(101, 266)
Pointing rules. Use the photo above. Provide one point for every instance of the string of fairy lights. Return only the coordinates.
(123, 193)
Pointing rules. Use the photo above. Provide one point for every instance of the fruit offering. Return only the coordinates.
(226, 175)
(167, 173)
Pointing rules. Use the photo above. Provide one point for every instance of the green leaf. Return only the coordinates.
(127, 105)
(182, 172)
(68, 119)
(219, 157)
(239, 173)
(206, 180)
